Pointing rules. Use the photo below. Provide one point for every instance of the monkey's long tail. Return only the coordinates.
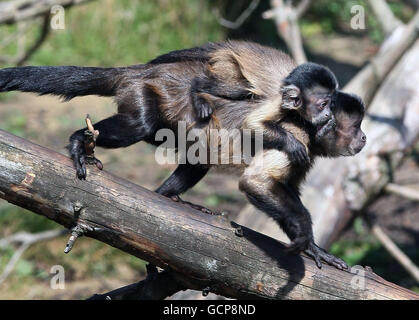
(66, 81)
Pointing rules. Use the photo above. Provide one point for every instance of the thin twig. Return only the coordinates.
(26, 240)
(14, 11)
(395, 252)
(241, 19)
(42, 37)
(402, 191)
(302, 8)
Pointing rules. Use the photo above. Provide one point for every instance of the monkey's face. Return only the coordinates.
(313, 104)
(317, 104)
(347, 139)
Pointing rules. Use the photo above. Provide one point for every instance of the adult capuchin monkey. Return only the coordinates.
(165, 91)
(272, 180)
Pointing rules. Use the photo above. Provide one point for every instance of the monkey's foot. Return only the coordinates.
(319, 254)
(197, 206)
(81, 159)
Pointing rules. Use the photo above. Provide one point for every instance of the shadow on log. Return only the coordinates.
(202, 252)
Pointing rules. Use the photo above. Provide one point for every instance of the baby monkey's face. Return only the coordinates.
(344, 137)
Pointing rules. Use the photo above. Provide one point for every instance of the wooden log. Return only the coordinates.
(202, 251)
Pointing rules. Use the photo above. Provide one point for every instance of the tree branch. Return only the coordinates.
(240, 20)
(200, 251)
(286, 21)
(395, 252)
(19, 10)
(384, 16)
(402, 191)
(366, 81)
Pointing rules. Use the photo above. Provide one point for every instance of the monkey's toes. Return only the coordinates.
(81, 172)
(197, 206)
(319, 254)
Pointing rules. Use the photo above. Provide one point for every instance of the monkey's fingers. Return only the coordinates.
(318, 254)
(304, 158)
(205, 111)
(300, 156)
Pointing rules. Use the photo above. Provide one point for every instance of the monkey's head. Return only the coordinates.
(310, 90)
(345, 138)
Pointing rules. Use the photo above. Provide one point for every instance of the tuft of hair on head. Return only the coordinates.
(349, 103)
(310, 74)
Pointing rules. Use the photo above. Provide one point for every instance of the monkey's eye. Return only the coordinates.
(324, 104)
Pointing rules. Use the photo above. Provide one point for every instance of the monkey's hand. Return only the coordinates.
(326, 128)
(296, 151)
(203, 108)
(319, 254)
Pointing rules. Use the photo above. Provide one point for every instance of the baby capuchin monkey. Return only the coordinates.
(239, 70)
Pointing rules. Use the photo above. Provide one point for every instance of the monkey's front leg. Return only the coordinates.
(274, 136)
(282, 203)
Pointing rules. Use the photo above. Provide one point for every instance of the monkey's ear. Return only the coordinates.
(291, 97)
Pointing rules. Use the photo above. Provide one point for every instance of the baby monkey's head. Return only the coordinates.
(310, 90)
(343, 137)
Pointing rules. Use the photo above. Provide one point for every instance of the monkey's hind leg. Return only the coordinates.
(182, 179)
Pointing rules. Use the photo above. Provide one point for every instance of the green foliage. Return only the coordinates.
(18, 219)
(125, 32)
(14, 122)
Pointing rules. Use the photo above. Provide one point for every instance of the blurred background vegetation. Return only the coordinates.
(124, 32)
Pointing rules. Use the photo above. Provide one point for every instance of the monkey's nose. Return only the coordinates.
(364, 138)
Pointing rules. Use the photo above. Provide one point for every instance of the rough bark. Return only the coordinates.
(202, 252)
